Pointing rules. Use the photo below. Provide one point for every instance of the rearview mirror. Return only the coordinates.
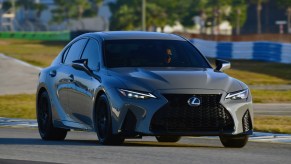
(222, 65)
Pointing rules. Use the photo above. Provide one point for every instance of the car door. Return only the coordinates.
(82, 97)
(64, 75)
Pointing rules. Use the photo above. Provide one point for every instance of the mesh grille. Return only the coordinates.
(178, 116)
(247, 124)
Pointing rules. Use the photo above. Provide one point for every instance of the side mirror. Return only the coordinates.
(221, 65)
(81, 65)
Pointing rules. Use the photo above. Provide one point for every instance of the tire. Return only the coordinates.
(168, 138)
(104, 124)
(44, 119)
(234, 141)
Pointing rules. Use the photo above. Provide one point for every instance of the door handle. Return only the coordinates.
(53, 73)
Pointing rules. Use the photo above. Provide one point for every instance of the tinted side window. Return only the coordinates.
(91, 53)
(75, 51)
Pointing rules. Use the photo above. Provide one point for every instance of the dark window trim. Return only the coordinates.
(65, 54)
(101, 57)
(84, 48)
(70, 45)
(87, 44)
(205, 59)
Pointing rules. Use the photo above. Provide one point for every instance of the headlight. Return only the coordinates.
(136, 95)
(239, 95)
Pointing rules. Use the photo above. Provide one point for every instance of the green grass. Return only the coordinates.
(259, 73)
(275, 124)
(270, 96)
(282, 72)
(17, 106)
(39, 53)
(254, 78)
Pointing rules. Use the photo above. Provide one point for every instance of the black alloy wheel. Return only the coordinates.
(104, 125)
(44, 119)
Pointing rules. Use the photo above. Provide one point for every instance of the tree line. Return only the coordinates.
(126, 14)
(63, 12)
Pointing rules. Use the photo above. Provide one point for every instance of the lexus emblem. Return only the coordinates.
(194, 101)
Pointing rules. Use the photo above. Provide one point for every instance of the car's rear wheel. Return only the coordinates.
(168, 138)
(44, 119)
(234, 141)
(104, 123)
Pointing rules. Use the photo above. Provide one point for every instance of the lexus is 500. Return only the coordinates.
(133, 84)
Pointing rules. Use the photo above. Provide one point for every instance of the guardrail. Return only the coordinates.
(262, 50)
(53, 36)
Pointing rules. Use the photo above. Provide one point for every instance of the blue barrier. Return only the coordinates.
(224, 50)
(264, 51)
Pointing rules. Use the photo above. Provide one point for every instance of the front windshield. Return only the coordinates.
(152, 53)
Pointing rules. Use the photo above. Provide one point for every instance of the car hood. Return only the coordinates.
(151, 79)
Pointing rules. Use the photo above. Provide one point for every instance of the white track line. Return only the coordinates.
(257, 136)
(19, 61)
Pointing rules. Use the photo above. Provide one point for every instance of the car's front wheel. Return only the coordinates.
(168, 138)
(44, 119)
(104, 125)
(234, 141)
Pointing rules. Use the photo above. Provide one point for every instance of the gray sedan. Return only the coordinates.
(133, 84)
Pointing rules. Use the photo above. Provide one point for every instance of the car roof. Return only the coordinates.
(121, 35)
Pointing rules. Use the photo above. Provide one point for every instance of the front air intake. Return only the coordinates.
(178, 116)
(247, 123)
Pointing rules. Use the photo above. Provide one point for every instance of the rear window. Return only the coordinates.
(152, 53)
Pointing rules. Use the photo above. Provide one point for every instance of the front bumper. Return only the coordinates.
(133, 116)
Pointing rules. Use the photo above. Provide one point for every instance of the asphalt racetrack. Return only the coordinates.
(17, 76)
(25, 145)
